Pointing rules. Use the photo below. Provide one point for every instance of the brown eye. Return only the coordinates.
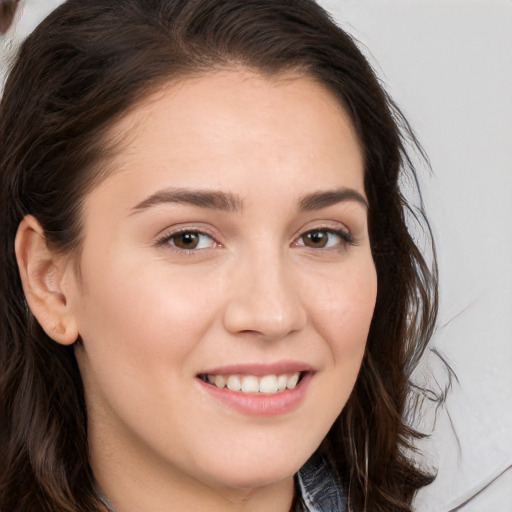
(189, 240)
(316, 239)
(325, 239)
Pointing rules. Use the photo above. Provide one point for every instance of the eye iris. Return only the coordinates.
(316, 239)
(186, 240)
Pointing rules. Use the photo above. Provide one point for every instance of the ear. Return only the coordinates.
(46, 276)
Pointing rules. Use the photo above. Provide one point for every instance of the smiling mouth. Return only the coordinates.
(251, 384)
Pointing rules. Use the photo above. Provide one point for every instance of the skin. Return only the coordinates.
(255, 290)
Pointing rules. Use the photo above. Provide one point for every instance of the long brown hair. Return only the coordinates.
(80, 71)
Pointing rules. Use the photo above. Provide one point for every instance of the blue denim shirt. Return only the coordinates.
(318, 487)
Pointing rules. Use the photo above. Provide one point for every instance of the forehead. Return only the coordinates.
(205, 97)
(213, 127)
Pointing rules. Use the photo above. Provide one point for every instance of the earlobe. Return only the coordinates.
(43, 274)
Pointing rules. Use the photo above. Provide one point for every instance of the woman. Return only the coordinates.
(210, 299)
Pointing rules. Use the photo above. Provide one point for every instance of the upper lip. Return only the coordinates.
(260, 369)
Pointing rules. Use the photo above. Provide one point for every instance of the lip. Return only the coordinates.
(259, 369)
(259, 404)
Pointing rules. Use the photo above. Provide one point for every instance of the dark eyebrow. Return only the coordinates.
(319, 200)
(211, 199)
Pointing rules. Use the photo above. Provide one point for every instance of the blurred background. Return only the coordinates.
(448, 66)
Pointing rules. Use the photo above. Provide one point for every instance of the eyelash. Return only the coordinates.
(169, 237)
(345, 236)
(165, 240)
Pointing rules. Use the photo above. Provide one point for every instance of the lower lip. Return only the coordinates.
(260, 404)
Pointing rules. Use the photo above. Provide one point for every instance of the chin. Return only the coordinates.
(267, 469)
(251, 480)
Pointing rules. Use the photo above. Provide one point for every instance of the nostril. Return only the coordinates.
(264, 317)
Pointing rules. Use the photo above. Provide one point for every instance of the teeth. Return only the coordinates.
(281, 382)
(250, 384)
(292, 381)
(219, 381)
(234, 383)
(267, 384)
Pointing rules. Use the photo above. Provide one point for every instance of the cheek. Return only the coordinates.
(139, 335)
(344, 311)
(342, 314)
(139, 312)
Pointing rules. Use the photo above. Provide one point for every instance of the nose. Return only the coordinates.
(264, 299)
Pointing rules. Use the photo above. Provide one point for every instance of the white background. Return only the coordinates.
(448, 65)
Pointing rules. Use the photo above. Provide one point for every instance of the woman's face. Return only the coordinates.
(228, 247)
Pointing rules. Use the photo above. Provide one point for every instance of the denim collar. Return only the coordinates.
(318, 487)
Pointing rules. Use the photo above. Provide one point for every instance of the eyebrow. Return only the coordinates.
(211, 199)
(226, 201)
(319, 200)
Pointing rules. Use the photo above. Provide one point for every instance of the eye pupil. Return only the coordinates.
(316, 239)
(187, 240)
